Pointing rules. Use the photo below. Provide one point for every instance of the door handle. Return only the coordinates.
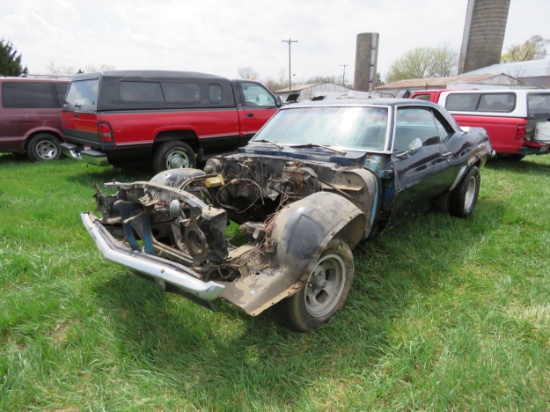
(250, 115)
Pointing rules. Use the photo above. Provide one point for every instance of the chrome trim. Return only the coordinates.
(178, 275)
(70, 150)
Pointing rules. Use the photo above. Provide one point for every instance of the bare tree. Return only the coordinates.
(533, 48)
(423, 62)
(70, 71)
(54, 70)
(248, 72)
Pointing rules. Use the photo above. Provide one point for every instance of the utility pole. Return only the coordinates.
(344, 75)
(289, 41)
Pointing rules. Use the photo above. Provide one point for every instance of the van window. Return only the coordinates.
(27, 95)
(140, 92)
(538, 103)
(181, 92)
(82, 95)
(497, 102)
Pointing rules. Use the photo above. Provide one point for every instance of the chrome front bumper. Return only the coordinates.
(157, 268)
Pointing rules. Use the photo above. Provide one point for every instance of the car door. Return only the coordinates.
(257, 108)
(423, 170)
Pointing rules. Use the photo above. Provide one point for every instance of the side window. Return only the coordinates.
(416, 123)
(256, 95)
(462, 101)
(82, 94)
(27, 95)
(425, 97)
(61, 91)
(538, 103)
(498, 102)
(141, 92)
(215, 93)
(181, 92)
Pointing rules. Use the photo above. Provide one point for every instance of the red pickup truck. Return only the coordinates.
(517, 121)
(165, 118)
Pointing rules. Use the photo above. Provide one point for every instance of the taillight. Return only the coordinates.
(105, 133)
(520, 133)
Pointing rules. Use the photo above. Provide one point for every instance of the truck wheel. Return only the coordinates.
(464, 197)
(43, 146)
(325, 292)
(173, 155)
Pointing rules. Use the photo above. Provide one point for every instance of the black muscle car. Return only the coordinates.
(317, 179)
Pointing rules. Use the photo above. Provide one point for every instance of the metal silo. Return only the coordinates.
(366, 59)
(483, 34)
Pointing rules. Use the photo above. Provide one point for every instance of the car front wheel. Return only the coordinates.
(173, 155)
(43, 146)
(325, 292)
(464, 197)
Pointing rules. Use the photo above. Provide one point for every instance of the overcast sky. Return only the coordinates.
(219, 36)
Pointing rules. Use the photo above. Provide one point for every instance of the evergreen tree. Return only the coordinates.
(10, 60)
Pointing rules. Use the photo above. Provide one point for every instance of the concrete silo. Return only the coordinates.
(366, 59)
(483, 34)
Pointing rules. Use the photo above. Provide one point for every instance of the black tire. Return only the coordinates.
(43, 146)
(510, 157)
(463, 199)
(172, 155)
(325, 292)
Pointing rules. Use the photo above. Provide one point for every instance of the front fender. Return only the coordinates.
(299, 234)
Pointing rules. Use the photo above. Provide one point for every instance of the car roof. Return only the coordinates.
(362, 102)
(147, 74)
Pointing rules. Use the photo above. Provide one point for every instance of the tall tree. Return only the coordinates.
(534, 48)
(423, 62)
(10, 60)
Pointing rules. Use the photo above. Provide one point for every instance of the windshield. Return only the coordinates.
(363, 128)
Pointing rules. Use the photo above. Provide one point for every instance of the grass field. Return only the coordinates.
(444, 314)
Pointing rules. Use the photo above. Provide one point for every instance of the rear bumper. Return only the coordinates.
(534, 150)
(91, 156)
(158, 269)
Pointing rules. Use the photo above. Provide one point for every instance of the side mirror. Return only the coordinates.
(412, 149)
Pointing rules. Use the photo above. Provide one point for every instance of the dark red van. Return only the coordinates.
(30, 116)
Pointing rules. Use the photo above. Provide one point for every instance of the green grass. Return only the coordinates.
(444, 314)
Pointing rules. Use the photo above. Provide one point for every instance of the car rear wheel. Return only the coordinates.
(173, 155)
(43, 146)
(464, 197)
(325, 292)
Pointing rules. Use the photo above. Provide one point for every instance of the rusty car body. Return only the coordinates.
(316, 180)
